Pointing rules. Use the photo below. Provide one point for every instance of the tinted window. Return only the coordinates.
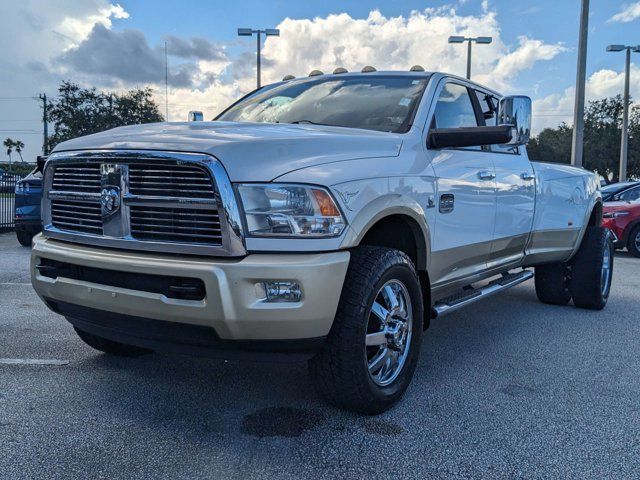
(383, 103)
(631, 195)
(489, 106)
(454, 108)
(609, 191)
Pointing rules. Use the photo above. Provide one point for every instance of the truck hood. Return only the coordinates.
(250, 152)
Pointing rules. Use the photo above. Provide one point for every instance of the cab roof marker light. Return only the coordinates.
(286, 78)
(340, 70)
(368, 69)
(417, 68)
(315, 73)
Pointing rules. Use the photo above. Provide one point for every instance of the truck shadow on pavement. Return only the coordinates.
(504, 348)
(202, 397)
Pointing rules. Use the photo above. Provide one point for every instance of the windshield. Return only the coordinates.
(382, 103)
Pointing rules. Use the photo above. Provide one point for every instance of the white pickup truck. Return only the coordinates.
(328, 218)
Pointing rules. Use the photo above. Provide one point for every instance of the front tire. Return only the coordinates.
(592, 270)
(372, 349)
(24, 237)
(633, 244)
(109, 346)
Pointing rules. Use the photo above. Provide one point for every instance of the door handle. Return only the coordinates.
(527, 176)
(486, 175)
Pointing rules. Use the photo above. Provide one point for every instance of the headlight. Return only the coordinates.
(289, 210)
(615, 214)
(19, 187)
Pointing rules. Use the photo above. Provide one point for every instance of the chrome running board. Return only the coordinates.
(472, 295)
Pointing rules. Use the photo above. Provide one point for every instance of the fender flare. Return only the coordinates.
(593, 204)
(387, 206)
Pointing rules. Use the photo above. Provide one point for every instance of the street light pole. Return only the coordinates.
(259, 81)
(624, 141)
(247, 32)
(577, 146)
(470, 40)
(469, 60)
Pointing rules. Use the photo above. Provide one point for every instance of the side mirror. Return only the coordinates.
(515, 111)
(195, 116)
(40, 161)
(469, 136)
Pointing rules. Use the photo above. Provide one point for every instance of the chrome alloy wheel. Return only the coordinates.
(388, 336)
(606, 269)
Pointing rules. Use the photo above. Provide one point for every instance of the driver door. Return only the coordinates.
(466, 193)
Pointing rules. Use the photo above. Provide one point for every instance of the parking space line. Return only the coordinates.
(24, 284)
(33, 361)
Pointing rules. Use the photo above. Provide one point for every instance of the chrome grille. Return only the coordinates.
(84, 177)
(176, 224)
(171, 180)
(76, 216)
(142, 200)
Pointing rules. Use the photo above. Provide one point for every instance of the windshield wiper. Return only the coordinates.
(297, 122)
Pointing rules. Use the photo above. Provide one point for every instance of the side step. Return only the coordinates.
(472, 295)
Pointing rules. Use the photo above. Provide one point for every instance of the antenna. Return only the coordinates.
(166, 83)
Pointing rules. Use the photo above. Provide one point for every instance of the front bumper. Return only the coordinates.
(231, 309)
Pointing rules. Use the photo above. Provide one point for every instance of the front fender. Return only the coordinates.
(386, 206)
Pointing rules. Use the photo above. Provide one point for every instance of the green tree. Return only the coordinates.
(78, 111)
(603, 129)
(19, 145)
(9, 144)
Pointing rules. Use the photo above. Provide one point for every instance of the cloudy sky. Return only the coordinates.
(119, 44)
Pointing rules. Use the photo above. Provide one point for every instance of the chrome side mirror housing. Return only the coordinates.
(515, 111)
(195, 116)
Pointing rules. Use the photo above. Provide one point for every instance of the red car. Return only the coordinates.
(621, 214)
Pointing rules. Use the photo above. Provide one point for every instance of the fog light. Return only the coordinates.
(274, 291)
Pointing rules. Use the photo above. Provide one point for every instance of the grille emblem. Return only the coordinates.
(112, 182)
(110, 200)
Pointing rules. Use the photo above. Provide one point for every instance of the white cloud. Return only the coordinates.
(529, 52)
(397, 43)
(44, 34)
(554, 109)
(628, 13)
(77, 29)
(33, 32)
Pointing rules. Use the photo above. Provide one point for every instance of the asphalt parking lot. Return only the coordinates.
(509, 388)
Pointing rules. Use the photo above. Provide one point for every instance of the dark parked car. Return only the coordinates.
(28, 198)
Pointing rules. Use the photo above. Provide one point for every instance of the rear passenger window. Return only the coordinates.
(454, 108)
(489, 106)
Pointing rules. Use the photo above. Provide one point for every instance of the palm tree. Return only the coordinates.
(9, 144)
(19, 146)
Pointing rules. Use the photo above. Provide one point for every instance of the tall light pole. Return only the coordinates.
(577, 145)
(624, 142)
(166, 83)
(470, 40)
(269, 32)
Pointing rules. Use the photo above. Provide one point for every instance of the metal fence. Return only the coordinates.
(8, 182)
